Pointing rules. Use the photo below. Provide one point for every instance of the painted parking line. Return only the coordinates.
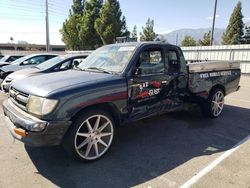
(211, 166)
(239, 100)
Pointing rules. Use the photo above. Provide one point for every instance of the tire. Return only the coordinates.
(213, 106)
(90, 136)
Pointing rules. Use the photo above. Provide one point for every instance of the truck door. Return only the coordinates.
(176, 88)
(156, 83)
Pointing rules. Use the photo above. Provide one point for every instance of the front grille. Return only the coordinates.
(19, 98)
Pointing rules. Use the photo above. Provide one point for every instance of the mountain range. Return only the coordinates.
(177, 36)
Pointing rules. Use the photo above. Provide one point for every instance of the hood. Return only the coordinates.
(4, 64)
(18, 75)
(11, 68)
(43, 85)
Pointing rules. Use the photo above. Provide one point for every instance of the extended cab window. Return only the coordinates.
(151, 62)
(173, 61)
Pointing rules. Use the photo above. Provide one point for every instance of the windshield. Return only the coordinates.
(109, 58)
(20, 60)
(4, 58)
(50, 63)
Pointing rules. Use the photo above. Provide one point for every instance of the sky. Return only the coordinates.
(24, 20)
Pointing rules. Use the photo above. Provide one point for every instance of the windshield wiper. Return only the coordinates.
(99, 69)
(77, 68)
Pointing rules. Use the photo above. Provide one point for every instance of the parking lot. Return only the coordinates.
(164, 151)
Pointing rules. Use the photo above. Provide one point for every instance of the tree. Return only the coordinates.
(71, 26)
(124, 30)
(148, 33)
(134, 33)
(110, 25)
(188, 41)
(11, 39)
(234, 32)
(78, 7)
(88, 35)
(246, 37)
(206, 41)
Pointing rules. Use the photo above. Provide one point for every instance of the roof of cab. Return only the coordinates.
(138, 44)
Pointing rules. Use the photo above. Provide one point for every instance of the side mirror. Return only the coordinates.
(138, 72)
(24, 63)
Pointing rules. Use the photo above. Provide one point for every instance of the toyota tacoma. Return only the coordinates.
(117, 84)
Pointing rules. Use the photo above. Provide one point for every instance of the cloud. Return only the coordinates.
(211, 17)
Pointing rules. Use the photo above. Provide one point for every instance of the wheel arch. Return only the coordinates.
(218, 86)
(108, 107)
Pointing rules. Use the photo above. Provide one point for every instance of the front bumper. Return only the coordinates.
(5, 87)
(238, 88)
(18, 119)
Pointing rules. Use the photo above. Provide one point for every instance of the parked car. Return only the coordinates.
(59, 63)
(24, 62)
(6, 60)
(115, 85)
(1, 56)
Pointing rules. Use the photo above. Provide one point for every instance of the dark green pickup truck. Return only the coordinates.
(115, 85)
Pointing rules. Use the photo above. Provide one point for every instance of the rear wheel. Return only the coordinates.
(213, 106)
(90, 136)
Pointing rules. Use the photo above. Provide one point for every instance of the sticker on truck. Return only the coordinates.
(215, 74)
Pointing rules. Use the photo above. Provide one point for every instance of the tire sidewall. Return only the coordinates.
(69, 138)
(208, 104)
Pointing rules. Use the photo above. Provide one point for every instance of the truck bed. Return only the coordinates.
(203, 76)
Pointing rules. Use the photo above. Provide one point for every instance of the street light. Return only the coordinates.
(214, 17)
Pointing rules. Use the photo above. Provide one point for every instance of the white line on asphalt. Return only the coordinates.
(207, 169)
(241, 100)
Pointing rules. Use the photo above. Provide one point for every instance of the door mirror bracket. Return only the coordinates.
(138, 72)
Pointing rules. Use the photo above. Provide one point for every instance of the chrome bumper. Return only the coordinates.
(16, 118)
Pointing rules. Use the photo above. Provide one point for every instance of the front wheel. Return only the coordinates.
(213, 106)
(90, 136)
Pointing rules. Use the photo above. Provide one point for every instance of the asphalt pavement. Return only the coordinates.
(164, 151)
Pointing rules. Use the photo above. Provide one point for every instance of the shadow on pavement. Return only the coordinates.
(146, 149)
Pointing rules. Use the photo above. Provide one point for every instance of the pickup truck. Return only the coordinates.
(115, 85)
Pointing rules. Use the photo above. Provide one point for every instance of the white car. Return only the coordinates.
(59, 63)
(24, 62)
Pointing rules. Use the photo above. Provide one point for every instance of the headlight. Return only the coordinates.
(1, 73)
(40, 105)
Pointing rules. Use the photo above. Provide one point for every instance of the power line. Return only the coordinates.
(21, 5)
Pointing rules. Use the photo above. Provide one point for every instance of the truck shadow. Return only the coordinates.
(146, 149)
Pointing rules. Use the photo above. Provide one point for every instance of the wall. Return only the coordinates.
(221, 53)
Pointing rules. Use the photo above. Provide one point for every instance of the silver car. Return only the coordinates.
(24, 62)
(8, 59)
(60, 63)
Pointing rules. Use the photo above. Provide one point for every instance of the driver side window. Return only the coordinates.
(63, 66)
(34, 60)
(151, 62)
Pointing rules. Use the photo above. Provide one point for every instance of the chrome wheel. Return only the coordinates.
(94, 137)
(217, 103)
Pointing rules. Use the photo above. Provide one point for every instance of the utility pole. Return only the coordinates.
(214, 18)
(176, 39)
(47, 26)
